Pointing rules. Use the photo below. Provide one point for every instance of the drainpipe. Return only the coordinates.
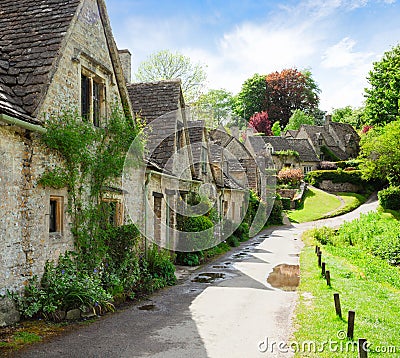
(20, 123)
(146, 183)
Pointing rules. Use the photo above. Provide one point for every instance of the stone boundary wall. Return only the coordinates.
(328, 185)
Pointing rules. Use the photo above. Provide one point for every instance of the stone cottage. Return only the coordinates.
(55, 55)
(286, 152)
(333, 141)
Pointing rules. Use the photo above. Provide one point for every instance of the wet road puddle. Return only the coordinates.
(149, 307)
(294, 255)
(220, 267)
(285, 277)
(239, 255)
(209, 277)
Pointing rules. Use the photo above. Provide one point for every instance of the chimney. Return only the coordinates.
(126, 58)
(328, 119)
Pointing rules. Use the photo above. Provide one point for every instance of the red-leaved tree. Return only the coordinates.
(260, 122)
(289, 90)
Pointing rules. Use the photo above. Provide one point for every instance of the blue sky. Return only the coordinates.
(337, 39)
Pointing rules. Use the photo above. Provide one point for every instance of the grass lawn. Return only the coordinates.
(317, 204)
(352, 202)
(366, 284)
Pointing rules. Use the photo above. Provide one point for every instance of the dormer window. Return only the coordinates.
(92, 97)
(269, 149)
(320, 142)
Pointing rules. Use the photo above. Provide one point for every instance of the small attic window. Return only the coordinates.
(92, 97)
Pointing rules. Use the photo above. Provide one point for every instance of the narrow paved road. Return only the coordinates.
(228, 315)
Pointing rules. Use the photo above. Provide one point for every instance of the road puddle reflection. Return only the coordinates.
(285, 277)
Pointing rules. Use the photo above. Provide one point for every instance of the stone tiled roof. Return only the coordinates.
(151, 100)
(291, 133)
(321, 132)
(304, 148)
(278, 143)
(31, 36)
(196, 130)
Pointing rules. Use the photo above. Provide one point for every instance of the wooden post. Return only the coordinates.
(323, 269)
(337, 304)
(328, 277)
(350, 324)
(316, 249)
(362, 348)
(319, 258)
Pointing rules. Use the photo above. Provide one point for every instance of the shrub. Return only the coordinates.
(324, 235)
(233, 241)
(290, 176)
(275, 217)
(242, 231)
(286, 203)
(390, 198)
(189, 258)
(63, 287)
(336, 176)
(160, 265)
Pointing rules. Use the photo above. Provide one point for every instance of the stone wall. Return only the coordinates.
(86, 48)
(327, 185)
(25, 241)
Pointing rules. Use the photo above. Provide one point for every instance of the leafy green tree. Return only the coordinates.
(289, 90)
(349, 115)
(214, 107)
(380, 155)
(383, 96)
(166, 65)
(251, 98)
(298, 118)
(276, 129)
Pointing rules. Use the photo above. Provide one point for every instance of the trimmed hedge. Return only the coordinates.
(336, 176)
(390, 198)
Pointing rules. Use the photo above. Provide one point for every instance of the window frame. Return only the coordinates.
(58, 224)
(118, 214)
(93, 97)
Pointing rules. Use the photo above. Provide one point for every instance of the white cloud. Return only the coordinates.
(342, 54)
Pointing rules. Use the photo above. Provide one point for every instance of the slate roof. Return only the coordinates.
(317, 132)
(31, 36)
(304, 148)
(196, 130)
(151, 100)
(291, 133)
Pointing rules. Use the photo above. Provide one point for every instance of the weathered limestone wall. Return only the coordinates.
(86, 47)
(24, 210)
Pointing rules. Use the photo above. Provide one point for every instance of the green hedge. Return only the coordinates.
(286, 203)
(390, 198)
(336, 176)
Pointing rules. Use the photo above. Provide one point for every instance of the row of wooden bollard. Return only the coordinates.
(362, 343)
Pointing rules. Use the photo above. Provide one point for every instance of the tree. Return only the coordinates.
(289, 90)
(297, 119)
(383, 96)
(165, 65)
(276, 129)
(261, 123)
(380, 155)
(349, 115)
(251, 98)
(214, 107)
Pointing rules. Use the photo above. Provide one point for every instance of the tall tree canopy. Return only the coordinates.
(380, 154)
(298, 118)
(166, 65)
(349, 115)
(383, 95)
(251, 98)
(289, 90)
(214, 107)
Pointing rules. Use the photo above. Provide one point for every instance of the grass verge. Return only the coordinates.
(317, 204)
(366, 284)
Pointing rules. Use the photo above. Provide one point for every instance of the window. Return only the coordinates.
(112, 211)
(56, 214)
(320, 141)
(92, 97)
(307, 169)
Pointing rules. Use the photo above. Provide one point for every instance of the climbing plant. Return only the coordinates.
(92, 160)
